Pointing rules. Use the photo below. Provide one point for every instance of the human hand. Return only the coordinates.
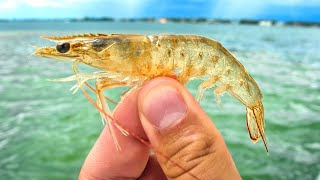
(164, 113)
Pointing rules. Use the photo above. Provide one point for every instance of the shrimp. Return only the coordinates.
(130, 60)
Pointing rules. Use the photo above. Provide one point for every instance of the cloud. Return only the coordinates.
(44, 3)
(8, 4)
(12, 4)
(72, 8)
(234, 9)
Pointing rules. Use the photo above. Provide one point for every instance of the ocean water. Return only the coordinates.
(46, 132)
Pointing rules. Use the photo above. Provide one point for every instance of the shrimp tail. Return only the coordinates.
(255, 124)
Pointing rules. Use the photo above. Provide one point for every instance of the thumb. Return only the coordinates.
(186, 142)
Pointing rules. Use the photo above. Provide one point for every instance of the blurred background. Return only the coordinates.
(46, 132)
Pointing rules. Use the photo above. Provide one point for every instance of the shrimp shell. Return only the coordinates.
(130, 60)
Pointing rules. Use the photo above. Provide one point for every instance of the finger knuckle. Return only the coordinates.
(190, 148)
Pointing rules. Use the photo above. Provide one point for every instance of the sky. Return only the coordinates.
(283, 10)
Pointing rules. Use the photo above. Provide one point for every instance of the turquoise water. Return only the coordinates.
(46, 132)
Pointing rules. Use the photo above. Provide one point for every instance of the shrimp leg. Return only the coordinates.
(218, 92)
(205, 85)
(92, 89)
(103, 84)
(107, 83)
(186, 73)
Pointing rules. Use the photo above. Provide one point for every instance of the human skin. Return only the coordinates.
(164, 113)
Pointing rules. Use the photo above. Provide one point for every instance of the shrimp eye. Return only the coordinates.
(63, 48)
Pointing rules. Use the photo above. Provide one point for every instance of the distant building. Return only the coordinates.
(163, 20)
(265, 23)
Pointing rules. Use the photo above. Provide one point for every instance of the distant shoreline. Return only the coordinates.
(176, 20)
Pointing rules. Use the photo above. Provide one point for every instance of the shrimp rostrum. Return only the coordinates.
(130, 60)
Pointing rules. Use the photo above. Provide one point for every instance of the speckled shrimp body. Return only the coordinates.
(130, 60)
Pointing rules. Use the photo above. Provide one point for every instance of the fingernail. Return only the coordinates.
(163, 107)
